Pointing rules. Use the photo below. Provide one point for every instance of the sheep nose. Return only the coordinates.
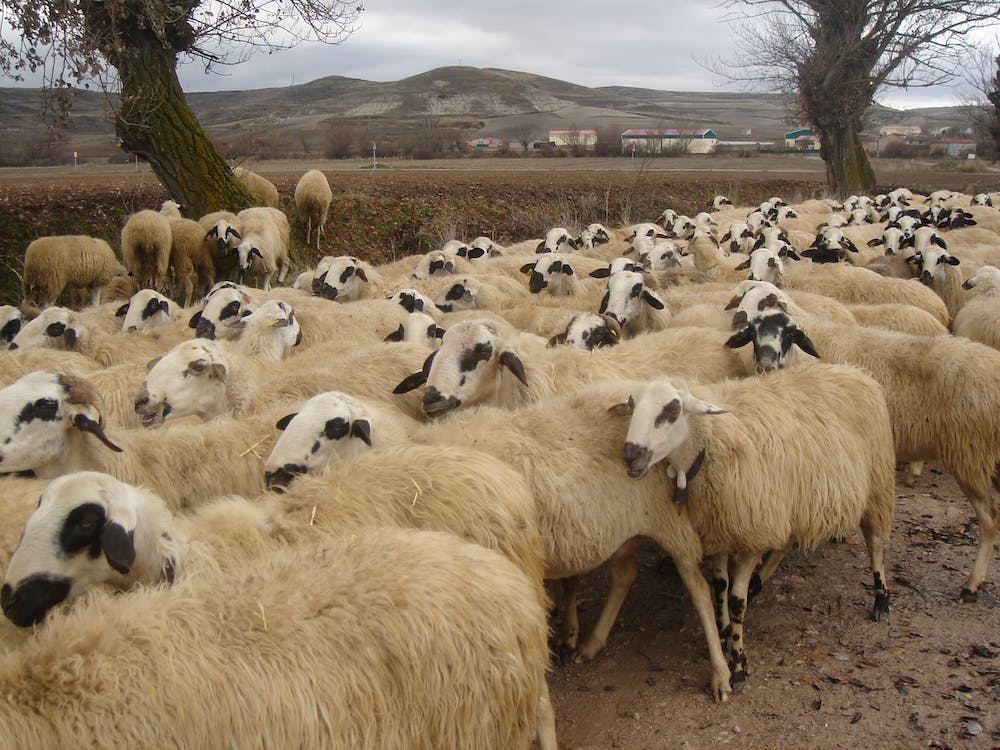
(434, 403)
(8, 598)
(536, 283)
(925, 278)
(636, 460)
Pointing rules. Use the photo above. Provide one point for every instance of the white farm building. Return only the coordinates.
(657, 140)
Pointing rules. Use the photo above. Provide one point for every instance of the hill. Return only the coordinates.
(464, 102)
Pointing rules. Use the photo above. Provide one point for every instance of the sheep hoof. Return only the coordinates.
(567, 654)
(738, 681)
(755, 587)
(967, 596)
(880, 613)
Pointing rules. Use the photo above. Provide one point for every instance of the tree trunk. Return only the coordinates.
(848, 170)
(155, 122)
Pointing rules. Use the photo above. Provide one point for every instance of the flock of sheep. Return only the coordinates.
(323, 514)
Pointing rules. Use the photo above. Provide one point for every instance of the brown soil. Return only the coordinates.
(821, 674)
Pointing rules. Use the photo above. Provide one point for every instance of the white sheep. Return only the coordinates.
(313, 197)
(557, 240)
(979, 318)
(67, 262)
(561, 276)
(171, 209)
(344, 278)
(418, 328)
(51, 422)
(483, 249)
(146, 243)
(275, 627)
(259, 186)
(11, 320)
(588, 331)
(943, 394)
(937, 270)
(270, 331)
(146, 309)
(488, 362)
(52, 328)
(588, 510)
(221, 317)
(265, 235)
(788, 458)
(634, 305)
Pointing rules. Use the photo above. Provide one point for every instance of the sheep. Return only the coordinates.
(11, 320)
(418, 328)
(207, 379)
(721, 202)
(222, 236)
(413, 300)
(633, 305)
(593, 236)
(937, 268)
(221, 317)
(146, 241)
(852, 285)
(560, 276)
(943, 394)
(265, 234)
(480, 292)
(284, 673)
(259, 186)
(45, 415)
(739, 236)
(191, 265)
(792, 457)
(896, 317)
(982, 199)
(270, 331)
(711, 260)
(343, 278)
(557, 240)
(588, 510)
(488, 362)
(56, 263)
(589, 331)
(978, 319)
(437, 263)
(312, 201)
(483, 249)
(661, 257)
(147, 309)
(52, 328)
(171, 209)
(831, 245)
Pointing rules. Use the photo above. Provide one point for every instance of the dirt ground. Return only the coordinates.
(821, 674)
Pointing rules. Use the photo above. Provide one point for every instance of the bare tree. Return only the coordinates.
(833, 57)
(74, 42)
(984, 103)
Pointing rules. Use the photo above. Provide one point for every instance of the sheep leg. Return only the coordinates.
(95, 296)
(701, 597)
(875, 541)
(739, 583)
(623, 571)
(283, 267)
(720, 593)
(913, 471)
(569, 631)
(768, 564)
(988, 515)
(546, 734)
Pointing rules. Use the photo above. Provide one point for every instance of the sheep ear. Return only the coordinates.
(604, 303)
(118, 545)
(513, 363)
(410, 383)
(527, 268)
(362, 429)
(805, 343)
(789, 253)
(439, 332)
(743, 266)
(652, 300)
(255, 251)
(84, 423)
(697, 406)
(361, 273)
(733, 303)
(567, 269)
(740, 339)
(217, 372)
(557, 340)
(396, 335)
(55, 329)
(541, 247)
(152, 363)
(951, 260)
(283, 423)
(69, 336)
(193, 323)
(876, 241)
(122, 310)
(624, 409)
(601, 273)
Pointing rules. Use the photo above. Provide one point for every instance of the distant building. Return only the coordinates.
(802, 139)
(903, 130)
(583, 138)
(485, 143)
(657, 140)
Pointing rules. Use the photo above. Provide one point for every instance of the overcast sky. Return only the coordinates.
(643, 43)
